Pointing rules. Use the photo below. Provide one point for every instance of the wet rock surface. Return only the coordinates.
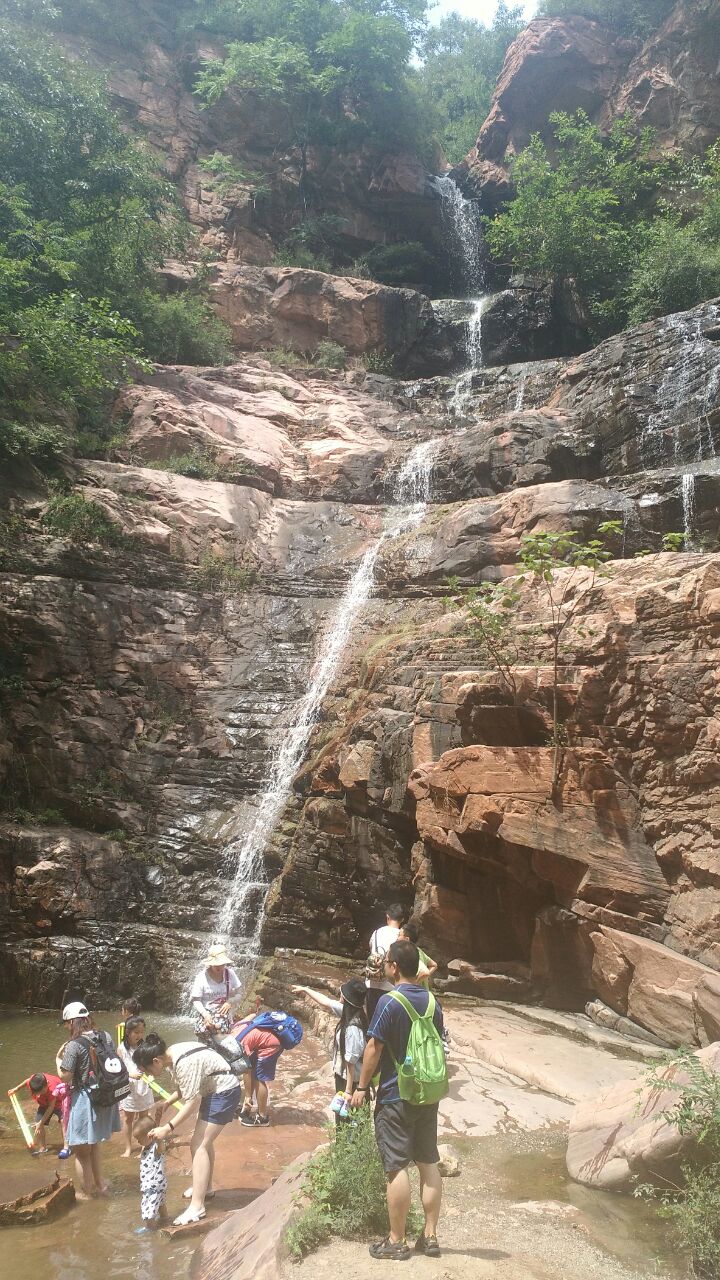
(158, 676)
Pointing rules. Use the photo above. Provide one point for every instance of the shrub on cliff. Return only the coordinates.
(86, 218)
(627, 17)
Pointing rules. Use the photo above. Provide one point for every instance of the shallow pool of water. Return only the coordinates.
(96, 1240)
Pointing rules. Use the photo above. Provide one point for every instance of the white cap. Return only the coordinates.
(75, 1010)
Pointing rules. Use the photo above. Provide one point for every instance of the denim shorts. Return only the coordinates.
(264, 1068)
(220, 1108)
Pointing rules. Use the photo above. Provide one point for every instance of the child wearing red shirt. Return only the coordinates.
(52, 1098)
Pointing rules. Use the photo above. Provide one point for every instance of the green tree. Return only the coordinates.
(86, 218)
(579, 215)
(627, 17)
(461, 60)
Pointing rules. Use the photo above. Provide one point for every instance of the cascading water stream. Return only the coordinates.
(242, 914)
(462, 219)
(689, 510)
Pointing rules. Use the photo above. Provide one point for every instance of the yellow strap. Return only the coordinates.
(163, 1093)
(24, 1126)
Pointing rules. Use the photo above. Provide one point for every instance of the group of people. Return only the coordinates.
(375, 1015)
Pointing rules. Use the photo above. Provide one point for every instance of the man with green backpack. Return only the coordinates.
(405, 1042)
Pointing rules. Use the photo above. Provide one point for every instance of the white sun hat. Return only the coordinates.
(217, 955)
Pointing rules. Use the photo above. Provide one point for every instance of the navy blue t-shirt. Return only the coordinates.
(391, 1024)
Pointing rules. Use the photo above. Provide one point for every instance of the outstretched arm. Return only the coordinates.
(319, 997)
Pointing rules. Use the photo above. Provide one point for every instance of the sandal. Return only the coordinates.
(388, 1250)
(189, 1216)
(427, 1245)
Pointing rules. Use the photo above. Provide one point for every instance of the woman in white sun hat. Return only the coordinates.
(214, 991)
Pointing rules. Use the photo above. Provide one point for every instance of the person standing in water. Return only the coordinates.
(88, 1125)
(139, 1101)
(198, 1072)
(214, 991)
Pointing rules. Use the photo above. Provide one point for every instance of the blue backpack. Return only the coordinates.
(282, 1025)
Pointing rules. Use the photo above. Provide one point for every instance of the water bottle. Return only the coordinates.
(408, 1068)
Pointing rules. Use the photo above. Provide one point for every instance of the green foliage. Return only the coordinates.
(379, 362)
(578, 215)
(217, 572)
(678, 263)
(329, 355)
(228, 174)
(461, 60)
(181, 328)
(407, 263)
(692, 1208)
(198, 464)
(345, 1185)
(492, 607)
(313, 243)
(491, 620)
(673, 541)
(80, 520)
(86, 218)
(338, 72)
(627, 17)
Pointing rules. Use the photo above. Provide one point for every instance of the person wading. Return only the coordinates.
(215, 989)
(89, 1123)
(195, 1070)
(405, 1133)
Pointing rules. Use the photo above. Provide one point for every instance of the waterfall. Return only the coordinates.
(241, 916)
(462, 220)
(520, 393)
(689, 510)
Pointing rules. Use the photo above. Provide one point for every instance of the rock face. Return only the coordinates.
(285, 306)
(622, 1135)
(147, 685)
(668, 83)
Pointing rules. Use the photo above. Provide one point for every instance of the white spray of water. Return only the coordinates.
(242, 914)
(520, 393)
(462, 219)
(689, 511)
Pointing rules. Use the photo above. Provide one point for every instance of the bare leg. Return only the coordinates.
(247, 1082)
(41, 1136)
(203, 1159)
(128, 1119)
(431, 1196)
(101, 1188)
(261, 1093)
(84, 1170)
(398, 1203)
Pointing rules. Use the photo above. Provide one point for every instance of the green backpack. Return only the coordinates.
(422, 1077)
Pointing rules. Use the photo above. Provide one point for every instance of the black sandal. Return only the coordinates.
(390, 1251)
(427, 1245)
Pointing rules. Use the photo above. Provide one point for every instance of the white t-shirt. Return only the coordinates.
(141, 1096)
(380, 942)
(213, 994)
(200, 1072)
(354, 1045)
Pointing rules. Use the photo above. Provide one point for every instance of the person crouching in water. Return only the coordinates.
(350, 1035)
(153, 1179)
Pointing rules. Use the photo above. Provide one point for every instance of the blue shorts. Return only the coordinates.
(220, 1108)
(264, 1068)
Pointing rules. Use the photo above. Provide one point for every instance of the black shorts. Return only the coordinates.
(406, 1135)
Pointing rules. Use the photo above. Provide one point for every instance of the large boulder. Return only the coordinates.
(668, 83)
(622, 1136)
(293, 307)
